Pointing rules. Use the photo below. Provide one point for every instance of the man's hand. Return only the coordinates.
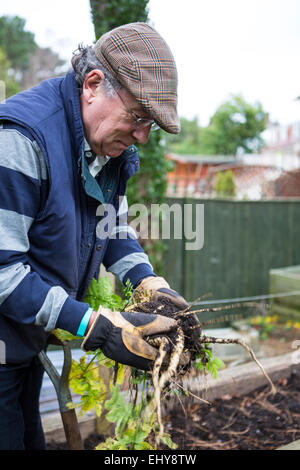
(120, 336)
(158, 287)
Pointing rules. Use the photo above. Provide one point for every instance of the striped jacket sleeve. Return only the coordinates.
(24, 296)
(125, 257)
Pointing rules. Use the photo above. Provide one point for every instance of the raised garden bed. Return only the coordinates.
(242, 415)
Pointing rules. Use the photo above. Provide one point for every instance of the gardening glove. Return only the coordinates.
(120, 336)
(158, 287)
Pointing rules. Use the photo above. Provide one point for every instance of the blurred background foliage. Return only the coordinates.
(225, 184)
(23, 63)
(109, 14)
(235, 125)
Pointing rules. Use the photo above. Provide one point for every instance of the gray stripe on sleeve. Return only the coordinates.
(125, 230)
(17, 152)
(123, 205)
(13, 231)
(121, 267)
(50, 310)
(10, 278)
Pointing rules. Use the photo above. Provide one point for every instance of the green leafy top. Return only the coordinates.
(101, 292)
(211, 364)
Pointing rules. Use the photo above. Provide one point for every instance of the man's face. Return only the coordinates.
(108, 126)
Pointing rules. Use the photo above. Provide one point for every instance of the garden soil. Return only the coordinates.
(257, 421)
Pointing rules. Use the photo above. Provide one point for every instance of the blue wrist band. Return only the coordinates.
(84, 322)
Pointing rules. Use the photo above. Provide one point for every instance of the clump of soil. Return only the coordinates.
(258, 421)
(187, 322)
(167, 308)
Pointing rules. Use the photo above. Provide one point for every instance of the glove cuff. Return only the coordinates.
(105, 333)
(158, 287)
(151, 284)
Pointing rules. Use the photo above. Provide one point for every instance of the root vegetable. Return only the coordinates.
(178, 350)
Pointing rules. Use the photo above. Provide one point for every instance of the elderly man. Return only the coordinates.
(66, 148)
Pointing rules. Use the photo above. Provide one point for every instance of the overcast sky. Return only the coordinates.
(220, 46)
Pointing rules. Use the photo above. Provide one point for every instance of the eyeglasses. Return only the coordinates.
(139, 122)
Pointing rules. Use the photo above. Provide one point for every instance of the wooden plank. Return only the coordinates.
(190, 275)
(54, 431)
(285, 313)
(173, 257)
(245, 250)
(295, 445)
(286, 280)
(231, 251)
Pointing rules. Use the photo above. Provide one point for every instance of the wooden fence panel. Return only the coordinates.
(173, 258)
(243, 240)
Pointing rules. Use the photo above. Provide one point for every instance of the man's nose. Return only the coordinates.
(141, 134)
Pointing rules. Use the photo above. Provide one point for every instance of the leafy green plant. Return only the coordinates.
(235, 125)
(264, 324)
(135, 422)
(148, 186)
(11, 85)
(210, 364)
(17, 43)
(132, 428)
(225, 184)
(101, 293)
(188, 142)
(84, 378)
(107, 15)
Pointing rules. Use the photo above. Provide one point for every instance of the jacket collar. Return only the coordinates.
(71, 100)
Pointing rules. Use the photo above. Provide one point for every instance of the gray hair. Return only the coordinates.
(83, 61)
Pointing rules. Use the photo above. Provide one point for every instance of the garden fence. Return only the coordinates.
(243, 240)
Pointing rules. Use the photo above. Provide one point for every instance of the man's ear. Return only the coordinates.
(91, 84)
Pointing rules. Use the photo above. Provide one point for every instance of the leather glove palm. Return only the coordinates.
(120, 336)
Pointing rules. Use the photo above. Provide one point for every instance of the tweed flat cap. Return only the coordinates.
(142, 62)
